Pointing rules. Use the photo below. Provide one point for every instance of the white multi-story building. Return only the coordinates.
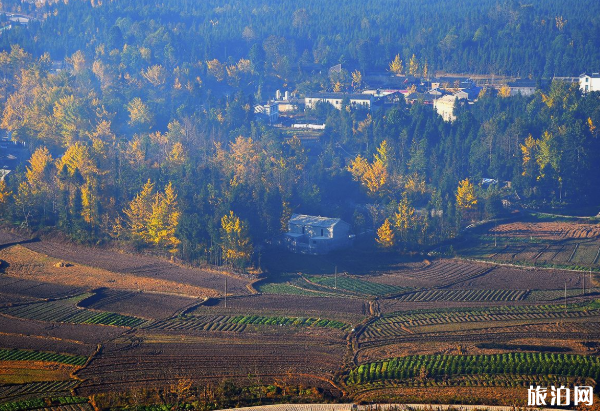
(589, 83)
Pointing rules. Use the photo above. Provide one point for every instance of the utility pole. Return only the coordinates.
(565, 298)
(225, 292)
(335, 278)
(583, 278)
(495, 234)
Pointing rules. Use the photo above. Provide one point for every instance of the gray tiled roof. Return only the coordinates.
(313, 221)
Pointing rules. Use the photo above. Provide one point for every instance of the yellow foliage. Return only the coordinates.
(38, 167)
(413, 66)
(78, 157)
(358, 167)
(89, 203)
(156, 75)
(504, 91)
(356, 79)
(465, 195)
(154, 217)
(140, 211)
(591, 125)
(375, 175)
(337, 87)
(177, 154)
(382, 154)
(528, 151)
(4, 193)
(396, 66)
(235, 241)
(385, 235)
(415, 184)
(139, 113)
(404, 219)
(216, 69)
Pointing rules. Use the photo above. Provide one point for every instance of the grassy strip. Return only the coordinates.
(355, 285)
(440, 366)
(28, 355)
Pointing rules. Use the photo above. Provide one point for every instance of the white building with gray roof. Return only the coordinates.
(317, 235)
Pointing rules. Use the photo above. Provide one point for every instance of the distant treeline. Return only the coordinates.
(538, 39)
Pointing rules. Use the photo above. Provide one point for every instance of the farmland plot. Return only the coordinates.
(343, 309)
(15, 392)
(138, 265)
(242, 323)
(516, 278)
(465, 295)
(406, 323)
(32, 266)
(551, 230)
(439, 273)
(161, 364)
(74, 338)
(66, 311)
(138, 304)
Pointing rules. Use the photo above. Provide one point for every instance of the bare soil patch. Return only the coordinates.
(289, 305)
(27, 264)
(71, 334)
(138, 304)
(34, 289)
(551, 230)
(503, 277)
(158, 364)
(138, 266)
(436, 274)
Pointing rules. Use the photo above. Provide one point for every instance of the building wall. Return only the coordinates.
(310, 102)
(310, 230)
(587, 84)
(445, 107)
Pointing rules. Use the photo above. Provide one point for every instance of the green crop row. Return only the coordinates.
(465, 295)
(27, 355)
(64, 311)
(41, 403)
(438, 366)
(292, 321)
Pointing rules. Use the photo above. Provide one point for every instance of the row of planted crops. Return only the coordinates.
(441, 366)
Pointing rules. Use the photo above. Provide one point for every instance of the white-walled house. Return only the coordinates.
(317, 235)
(589, 83)
(445, 107)
(357, 101)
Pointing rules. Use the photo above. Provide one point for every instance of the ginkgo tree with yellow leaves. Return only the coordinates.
(465, 195)
(373, 175)
(153, 217)
(235, 241)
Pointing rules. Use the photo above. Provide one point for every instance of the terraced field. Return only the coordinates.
(15, 392)
(239, 323)
(66, 311)
(29, 355)
(464, 295)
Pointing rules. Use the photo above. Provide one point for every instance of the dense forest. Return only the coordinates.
(148, 135)
(538, 39)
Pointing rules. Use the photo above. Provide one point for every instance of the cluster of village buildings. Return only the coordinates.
(441, 93)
